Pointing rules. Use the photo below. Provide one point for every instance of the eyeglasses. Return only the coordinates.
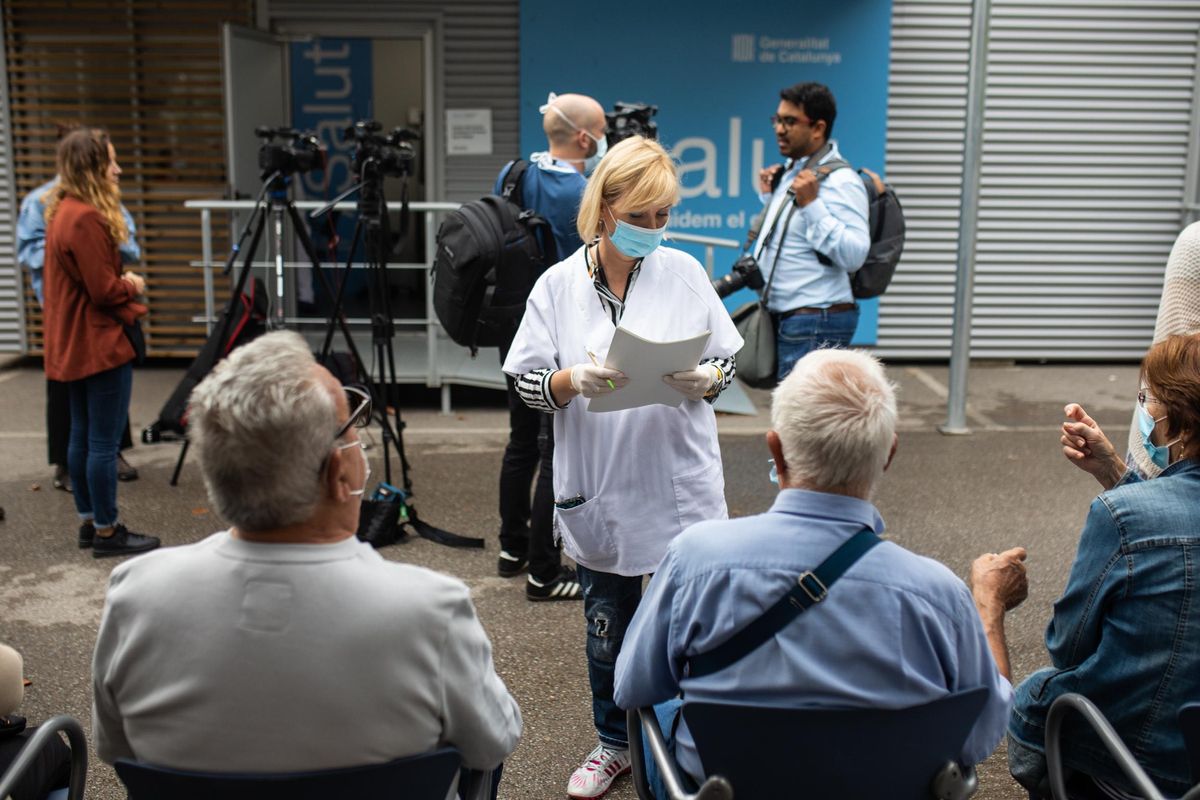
(1143, 396)
(358, 399)
(789, 122)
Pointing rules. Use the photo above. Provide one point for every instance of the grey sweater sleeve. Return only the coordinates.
(480, 717)
(108, 731)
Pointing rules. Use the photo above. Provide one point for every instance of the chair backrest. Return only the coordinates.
(428, 776)
(843, 753)
(1189, 723)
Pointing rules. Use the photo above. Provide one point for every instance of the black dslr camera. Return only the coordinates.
(631, 119)
(743, 273)
(301, 151)
(379, 155)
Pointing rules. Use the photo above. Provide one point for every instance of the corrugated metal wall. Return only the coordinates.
(12, 320)
(480, 49)
(1086, 138)
(927, 94)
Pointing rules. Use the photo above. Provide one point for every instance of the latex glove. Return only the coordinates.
(1085, 445)
(590, 380)
(693, 383)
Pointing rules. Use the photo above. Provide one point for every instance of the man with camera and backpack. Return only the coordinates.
(815, 234)
(550, 184)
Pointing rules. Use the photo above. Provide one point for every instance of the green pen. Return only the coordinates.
(592, 356)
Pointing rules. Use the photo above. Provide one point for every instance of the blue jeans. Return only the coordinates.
(99, 407)
(609, 603)
(799, 335)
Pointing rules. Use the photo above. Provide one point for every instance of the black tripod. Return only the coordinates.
(371, 230)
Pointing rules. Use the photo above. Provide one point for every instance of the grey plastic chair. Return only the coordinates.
(50, 728)
(1060, 709)
(752, 752)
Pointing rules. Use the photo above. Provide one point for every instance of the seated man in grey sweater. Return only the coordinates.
(284, 643)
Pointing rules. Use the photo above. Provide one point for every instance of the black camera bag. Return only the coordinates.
(489, 254)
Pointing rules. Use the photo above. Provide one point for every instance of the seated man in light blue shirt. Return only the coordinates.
(896, 630)
(815, 234)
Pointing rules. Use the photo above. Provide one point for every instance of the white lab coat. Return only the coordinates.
(645, 473)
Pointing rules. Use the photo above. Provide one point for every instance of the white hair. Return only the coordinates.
(264, 423)
(835, 415)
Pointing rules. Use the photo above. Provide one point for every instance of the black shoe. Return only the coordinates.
(125, 471)
(122, 543)
(87, 534)
(509, 566)
(62, 479)
(565, 586)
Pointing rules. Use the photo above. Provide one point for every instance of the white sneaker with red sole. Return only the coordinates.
(595, 777)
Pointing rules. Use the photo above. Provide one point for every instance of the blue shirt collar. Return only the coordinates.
(823, 505)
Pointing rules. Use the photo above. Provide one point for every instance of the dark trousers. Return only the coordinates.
(99, 409)
(609, 603)
(527, 529)
(50, 770)
(58, 423)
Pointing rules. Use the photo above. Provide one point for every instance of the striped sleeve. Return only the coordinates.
(727, 366)
(534, 390)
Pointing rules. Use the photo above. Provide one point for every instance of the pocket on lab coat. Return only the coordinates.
(700, 495)
(586, 529)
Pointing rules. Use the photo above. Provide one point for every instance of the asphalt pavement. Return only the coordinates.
(947, 497)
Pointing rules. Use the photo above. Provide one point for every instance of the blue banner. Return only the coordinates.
(714, 69)
(332, 85)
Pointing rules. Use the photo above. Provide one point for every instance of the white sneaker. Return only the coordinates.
(595, 777)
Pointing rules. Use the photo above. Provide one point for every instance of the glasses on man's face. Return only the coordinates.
(359, 400)
(788, 122)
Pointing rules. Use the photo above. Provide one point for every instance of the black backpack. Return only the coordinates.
(489, 254)
(887, 226)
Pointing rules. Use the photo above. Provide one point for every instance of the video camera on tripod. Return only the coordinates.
(631, 119)
(379, 155)
(301, 152)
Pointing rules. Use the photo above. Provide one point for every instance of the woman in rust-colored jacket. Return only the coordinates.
(88, 301)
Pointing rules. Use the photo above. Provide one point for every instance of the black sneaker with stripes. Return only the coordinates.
(565, 586)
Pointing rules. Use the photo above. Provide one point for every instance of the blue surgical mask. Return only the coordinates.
(774, 473)
(591, 162)
(635, 242)
(1160, 454)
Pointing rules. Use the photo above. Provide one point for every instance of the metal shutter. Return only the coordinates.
(927, 92)
(1086, 138)
(479, 69)
(12, 320)
(1085, 148)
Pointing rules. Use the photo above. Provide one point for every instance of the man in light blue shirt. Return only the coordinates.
(815, 234)
(896, 630)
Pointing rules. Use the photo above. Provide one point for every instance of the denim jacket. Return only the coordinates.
(1126, 631)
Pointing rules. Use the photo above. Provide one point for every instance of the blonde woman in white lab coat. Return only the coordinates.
(625, 482)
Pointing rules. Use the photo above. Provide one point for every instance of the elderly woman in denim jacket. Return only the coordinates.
(1124, 631)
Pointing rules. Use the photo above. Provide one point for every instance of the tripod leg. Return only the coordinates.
(179, 464)
(337, 316)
